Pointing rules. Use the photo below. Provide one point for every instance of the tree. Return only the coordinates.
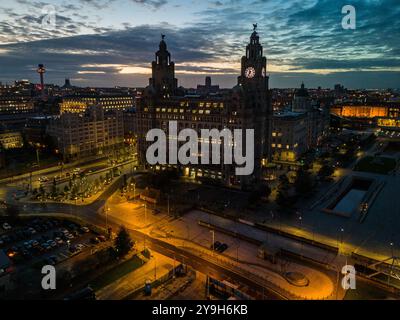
(262, 190)
(303, 183)
(12, 213)
(282, 198)
(54, 188)
(123, 242)
(326, 171)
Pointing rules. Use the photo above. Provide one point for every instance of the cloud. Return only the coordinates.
(155, 4)
(300, 37)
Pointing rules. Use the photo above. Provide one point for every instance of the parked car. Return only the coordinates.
(34, 243)
(52, 243)
(85, 229)
(80, 247)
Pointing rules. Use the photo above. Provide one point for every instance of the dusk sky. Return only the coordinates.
(112, 42)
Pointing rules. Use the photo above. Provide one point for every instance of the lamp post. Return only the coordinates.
(341, 238)
(155, 268)
(213, 240)
(392, 253)
(168, 203)
(145, 214)
(301, 229)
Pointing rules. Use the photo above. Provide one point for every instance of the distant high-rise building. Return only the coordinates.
(207, 88)
(41, 70)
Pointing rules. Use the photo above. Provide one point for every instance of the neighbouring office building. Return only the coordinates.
(94, 132)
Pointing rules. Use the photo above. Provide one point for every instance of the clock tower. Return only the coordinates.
(255, 105)
(254, 64)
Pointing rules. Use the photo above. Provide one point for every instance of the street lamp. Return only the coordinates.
(168, 203)
(341, 239)
(145, 214)
(391, 248)
(301, 219)
(213, 240)
(155, 267)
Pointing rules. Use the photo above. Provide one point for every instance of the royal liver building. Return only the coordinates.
(246, 106)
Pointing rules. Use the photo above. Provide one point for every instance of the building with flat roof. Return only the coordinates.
(79, 103)
(94, 132)
(289, 136)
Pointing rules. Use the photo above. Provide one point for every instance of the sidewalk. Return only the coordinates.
(155, 268)
(321, 286)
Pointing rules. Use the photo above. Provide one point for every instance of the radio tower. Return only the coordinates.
(41, 70)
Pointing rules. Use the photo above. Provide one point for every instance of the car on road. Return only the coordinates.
(222, 248)
(95, 240)
(43, 179)
(102, 238)
(215, 245)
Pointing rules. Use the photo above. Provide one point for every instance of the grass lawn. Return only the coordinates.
(379, 165)
(117, 272)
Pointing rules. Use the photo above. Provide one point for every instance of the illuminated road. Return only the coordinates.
(204, 265)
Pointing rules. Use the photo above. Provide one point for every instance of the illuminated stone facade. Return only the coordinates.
(79, 103)
(94, 132)
(246, 106)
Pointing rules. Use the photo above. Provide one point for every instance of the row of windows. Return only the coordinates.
(279, 146)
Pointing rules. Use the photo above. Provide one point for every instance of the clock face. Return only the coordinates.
(250, 72)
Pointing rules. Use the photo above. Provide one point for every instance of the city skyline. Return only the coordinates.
(115, 49)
